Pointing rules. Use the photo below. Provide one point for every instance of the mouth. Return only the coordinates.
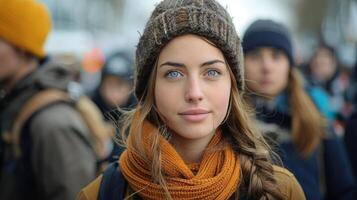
(266, 82)
(195, 115)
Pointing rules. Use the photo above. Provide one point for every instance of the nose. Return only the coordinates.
(267, 64)
(193, 93)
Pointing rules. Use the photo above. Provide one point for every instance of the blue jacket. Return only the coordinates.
(326, 173)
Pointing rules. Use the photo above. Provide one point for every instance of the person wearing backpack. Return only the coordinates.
(288, 113)
(46, 149)
(191, 136)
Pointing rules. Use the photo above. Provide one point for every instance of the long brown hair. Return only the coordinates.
(258, 181)
(307, 122)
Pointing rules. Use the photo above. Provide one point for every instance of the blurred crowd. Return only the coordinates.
(56, 137)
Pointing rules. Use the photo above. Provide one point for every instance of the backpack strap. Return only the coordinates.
(101, 132)
(37, 102)
(113, 185)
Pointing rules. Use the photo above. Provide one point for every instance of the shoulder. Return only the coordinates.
(58, 117)
(61, 111)
(90, 192)
(288, 184)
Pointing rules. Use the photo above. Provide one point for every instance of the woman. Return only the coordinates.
(324, 71)
(191, 136)
(289, 117)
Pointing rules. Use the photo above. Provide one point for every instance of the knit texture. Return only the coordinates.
(25, 24)
(267, 33)
(216, 177)
(172, 18)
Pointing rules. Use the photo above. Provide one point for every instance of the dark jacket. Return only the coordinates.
(351, 140)
(350, 136)
(326, 173)
(57, 159)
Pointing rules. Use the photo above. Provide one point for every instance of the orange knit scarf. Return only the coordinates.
(216, 177)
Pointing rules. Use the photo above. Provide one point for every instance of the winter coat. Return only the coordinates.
(57, 159)
(326, 173)
(350, 139)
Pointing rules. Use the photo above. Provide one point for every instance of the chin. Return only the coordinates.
(193, 133)
(268, 92)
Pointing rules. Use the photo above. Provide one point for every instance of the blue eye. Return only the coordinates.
(212, 73)
(173, 74)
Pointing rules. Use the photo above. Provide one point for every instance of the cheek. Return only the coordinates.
(166, 98)
(108, 94)
(252, 71)
(8, 63)
(283, 78)
(220, 100)
(252, 78)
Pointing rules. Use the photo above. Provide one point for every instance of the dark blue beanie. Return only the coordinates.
(267, 33)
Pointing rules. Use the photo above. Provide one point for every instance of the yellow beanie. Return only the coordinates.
(25, 24)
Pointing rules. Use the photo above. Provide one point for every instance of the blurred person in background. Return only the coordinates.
(50, 157)
(115, 92)
(116, 85)
(288, 113)
(324, 71)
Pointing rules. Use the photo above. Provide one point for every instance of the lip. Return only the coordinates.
(194, 112)
(194, 115)
(266, 82)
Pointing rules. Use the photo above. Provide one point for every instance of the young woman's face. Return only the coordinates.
(192, 87)
(267, 71)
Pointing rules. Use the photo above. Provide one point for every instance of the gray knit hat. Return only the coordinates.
(172, 18)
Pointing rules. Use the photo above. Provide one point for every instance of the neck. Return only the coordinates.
(191, 151)
(23, 70)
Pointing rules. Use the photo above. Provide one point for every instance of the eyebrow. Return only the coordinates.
(175, 64)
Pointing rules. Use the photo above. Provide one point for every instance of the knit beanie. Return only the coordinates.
(267, 33)
(120, 65)
(173, 18)
(25, 24)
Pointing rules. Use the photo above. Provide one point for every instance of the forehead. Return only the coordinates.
(323, 51)
(267, 49)
(190, 47)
